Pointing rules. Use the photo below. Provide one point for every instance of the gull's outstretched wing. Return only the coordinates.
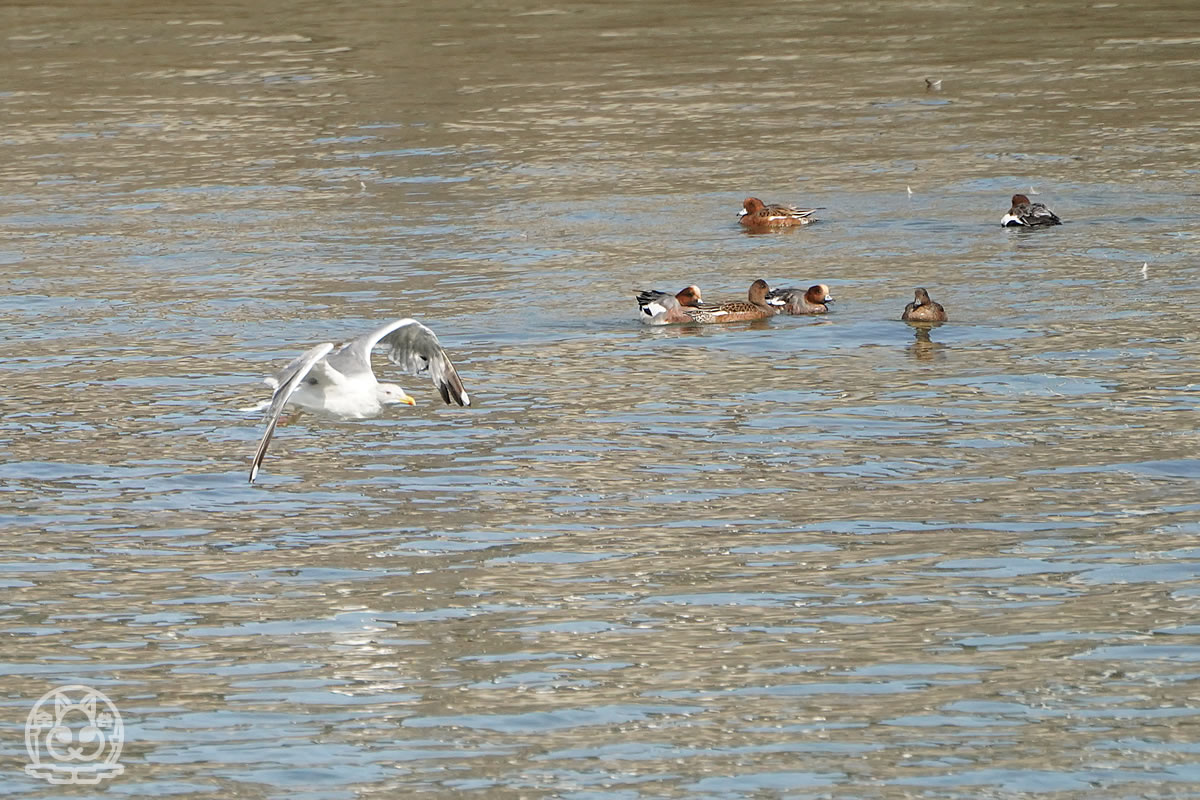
(287, 382)
(413, 347)
(284, 374)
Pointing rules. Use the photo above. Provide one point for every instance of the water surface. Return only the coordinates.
(806, 558)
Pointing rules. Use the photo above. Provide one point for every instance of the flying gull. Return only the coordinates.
(337, 380)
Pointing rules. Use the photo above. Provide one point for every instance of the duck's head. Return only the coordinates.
(818, 294)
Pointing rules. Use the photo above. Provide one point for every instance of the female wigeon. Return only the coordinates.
(1029, 215)
(754, 307)
(922, 309)
(812, 300)
(757, 214)
(660, 308)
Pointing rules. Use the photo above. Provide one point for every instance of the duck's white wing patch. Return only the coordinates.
(653, 309)
(779, 298)
(799, 214)
(653, 306)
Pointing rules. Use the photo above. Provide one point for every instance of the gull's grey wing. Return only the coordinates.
(414, 348)
(288, 380)
(281, 376)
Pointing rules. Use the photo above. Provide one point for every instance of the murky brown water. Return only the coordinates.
(812, 558)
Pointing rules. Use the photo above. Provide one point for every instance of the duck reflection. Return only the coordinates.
(924, 348)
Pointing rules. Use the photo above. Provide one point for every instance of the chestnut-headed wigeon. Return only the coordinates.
(813, 300)
(1025, 214)
(757, 214)
(922, 309)
(660, 308)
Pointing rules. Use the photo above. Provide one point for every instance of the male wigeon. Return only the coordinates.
(813, 300)
(757, 214)
(922, 309)
(1028, 215)
(660, 308)
(754, 307)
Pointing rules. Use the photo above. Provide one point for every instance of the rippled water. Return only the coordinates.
(807, 558)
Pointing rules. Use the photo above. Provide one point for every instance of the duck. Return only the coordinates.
(813, 300)
(923, 309)
(757, 214)
(1028, 215)
(661, 308)
(753, 307)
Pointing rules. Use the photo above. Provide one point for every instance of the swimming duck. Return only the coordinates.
(757, 214)
(922, 309)
(754, 307)
(812, 300)
(1029, 215)
(660, 308)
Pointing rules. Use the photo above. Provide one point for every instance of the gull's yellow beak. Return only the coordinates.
(408, 401)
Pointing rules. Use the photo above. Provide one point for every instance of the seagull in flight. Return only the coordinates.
(337, 380)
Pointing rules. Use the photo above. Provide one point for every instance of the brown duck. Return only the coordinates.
(923, 309)
(660, 308)
(813, 300)
(757, 214)
(753, 307)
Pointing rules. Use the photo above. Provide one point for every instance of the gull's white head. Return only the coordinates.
(390, 394)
